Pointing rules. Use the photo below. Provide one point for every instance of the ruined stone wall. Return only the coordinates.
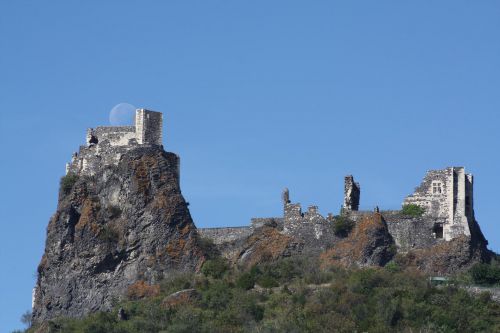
(357, 215)
(225, 235)
(447, 196)
(313, 229)
(106, 144)
(352, 193)
(232, 234)
(437, 204)
(112, 135)
(411, 232)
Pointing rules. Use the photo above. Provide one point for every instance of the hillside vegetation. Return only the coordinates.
(294, 295)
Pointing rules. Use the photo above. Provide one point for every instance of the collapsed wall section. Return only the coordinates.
(352, 193)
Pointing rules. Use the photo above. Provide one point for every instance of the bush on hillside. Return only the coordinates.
(413, 210)
(208, 247)
(485, 274)
(346, 300)
(342, 226)
(215, 268)
(67, 182)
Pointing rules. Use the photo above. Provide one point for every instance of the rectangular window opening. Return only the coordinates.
(438, 230)
(436, 188)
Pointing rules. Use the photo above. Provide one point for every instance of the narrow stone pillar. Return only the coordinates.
(285, 196)
(352, 193)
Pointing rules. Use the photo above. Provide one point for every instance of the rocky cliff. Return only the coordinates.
(369, 244)
(122, 225)
(122, 228)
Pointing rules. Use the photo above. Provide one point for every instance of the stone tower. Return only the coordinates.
(447, 197)
(351, 194)
(106, 144)
(148, 127)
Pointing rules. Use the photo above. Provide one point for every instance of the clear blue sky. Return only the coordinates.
(256, 95)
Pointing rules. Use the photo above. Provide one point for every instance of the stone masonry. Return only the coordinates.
(447, 197)
(106, 144)
(351, 194)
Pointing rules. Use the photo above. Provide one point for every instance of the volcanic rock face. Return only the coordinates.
(369, 244)
(264, 245)
(126, 224)
(447, 258)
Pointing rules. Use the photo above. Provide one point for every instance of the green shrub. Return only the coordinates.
(26, 319)
(208, 247)
(485, 274)
(67, 182)
(356, 300)
(176, 281)
(393, 266)
(413, 210)
(342, 226)
(267, 281)
(246, 281)
(215, 267)
(218, 296)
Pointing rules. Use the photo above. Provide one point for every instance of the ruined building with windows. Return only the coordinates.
(446, 197)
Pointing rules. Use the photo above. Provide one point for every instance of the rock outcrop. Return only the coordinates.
(369, 244)
(264, 245)
(125, 225)
(447, 258)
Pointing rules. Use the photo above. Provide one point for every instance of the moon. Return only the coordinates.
(122, 114)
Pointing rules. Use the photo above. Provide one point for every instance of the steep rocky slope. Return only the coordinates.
(457, 255)
(369, 244)
(123, 227)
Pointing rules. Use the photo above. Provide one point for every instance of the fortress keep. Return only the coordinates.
(106, 144)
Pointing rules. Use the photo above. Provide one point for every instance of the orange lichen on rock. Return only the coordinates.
(147, 169)
(88, 216)
(369, 243)
(141, 169)
(160, 201)
(266, 244)
(141, 289)
(175, 248)
(186, 229)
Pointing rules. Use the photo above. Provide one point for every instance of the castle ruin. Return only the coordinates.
(445, 195)
(106, 144)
